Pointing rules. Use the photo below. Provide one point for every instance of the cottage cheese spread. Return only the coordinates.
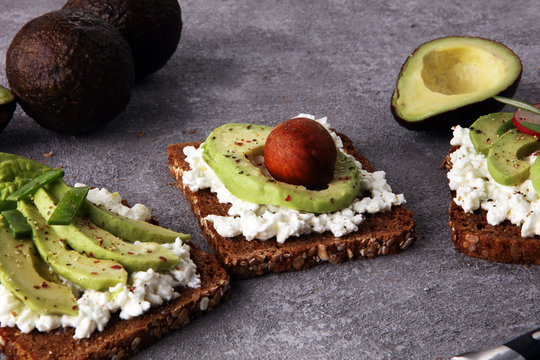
(475, 188)
(144, 290)
(263, 222)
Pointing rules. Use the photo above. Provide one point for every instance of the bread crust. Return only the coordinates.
(122, 339)
(473, 236)
(379, 234)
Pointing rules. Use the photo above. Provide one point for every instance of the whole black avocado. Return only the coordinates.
(151, 27)
(70, 71)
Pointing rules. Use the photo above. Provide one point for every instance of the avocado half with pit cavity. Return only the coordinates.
(452, 80)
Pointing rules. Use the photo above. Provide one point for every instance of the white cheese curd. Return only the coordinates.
(144, 290)
(113, 202)
(475, 189)
(263, 222)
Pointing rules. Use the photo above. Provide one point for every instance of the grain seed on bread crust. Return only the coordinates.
(122, 339)
(379, 234)
(473, 236)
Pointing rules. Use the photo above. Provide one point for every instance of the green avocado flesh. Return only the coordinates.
(447, 74)
(505, 156)
(87, 272)
(85, 237)
(229, 151)
(18, 274)
(127, 229)
(484, 131)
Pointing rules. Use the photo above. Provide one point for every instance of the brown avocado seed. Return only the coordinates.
(300, 151)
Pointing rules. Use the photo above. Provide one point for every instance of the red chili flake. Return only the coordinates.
(36, 287)
(248, 141)
(37, 183)
(97, 262)
(14, 314)
(44, 285)
(91, 254)
(238, 143)
(288, 198)
(116, 267)
(94, 273)
(130, 253)
(74, 307)
(163, 258)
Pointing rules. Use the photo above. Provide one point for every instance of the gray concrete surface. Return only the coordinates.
(265, 62)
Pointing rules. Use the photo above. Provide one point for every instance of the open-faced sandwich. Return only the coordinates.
(494, 175)
(82, 276)
(288, 198)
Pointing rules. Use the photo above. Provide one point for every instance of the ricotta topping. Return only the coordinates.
(263, 222)
(113, 202)
(144, 290)
(475, 188)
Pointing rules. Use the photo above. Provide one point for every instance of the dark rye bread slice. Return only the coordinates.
(122, 339)
(380, 234)
(473, 236)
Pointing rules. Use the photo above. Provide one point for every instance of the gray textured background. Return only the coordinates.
(266, 61)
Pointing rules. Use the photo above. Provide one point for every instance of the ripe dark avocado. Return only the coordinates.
(7, 107)
(70, 71)
(452, 80)
(151, 27)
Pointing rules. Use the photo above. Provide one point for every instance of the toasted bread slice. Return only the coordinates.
(379, 234)
(122, 339)
(473, 236)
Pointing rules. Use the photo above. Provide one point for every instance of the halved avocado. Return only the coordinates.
(452, 80)
(7, 107)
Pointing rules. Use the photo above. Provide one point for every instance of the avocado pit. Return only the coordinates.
(300, 151)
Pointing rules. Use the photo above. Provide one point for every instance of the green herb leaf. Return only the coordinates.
(69, 206)
(33, 185)
(518, 104)
(17, 224)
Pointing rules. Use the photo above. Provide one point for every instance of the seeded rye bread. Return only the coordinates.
(473, 236)
(122, 339)
(379, 234)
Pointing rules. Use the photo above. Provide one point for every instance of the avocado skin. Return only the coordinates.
(463, 115)
(151, 27)
(6, 110)
(70, 71)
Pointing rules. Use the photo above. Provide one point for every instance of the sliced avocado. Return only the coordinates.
(535, 175)
(451, 80)
(504, 157)
(127, 229)
(18, 275)
(7, 107)
(229, 149)
(87, 272)
(85, 237)
(484, 131)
